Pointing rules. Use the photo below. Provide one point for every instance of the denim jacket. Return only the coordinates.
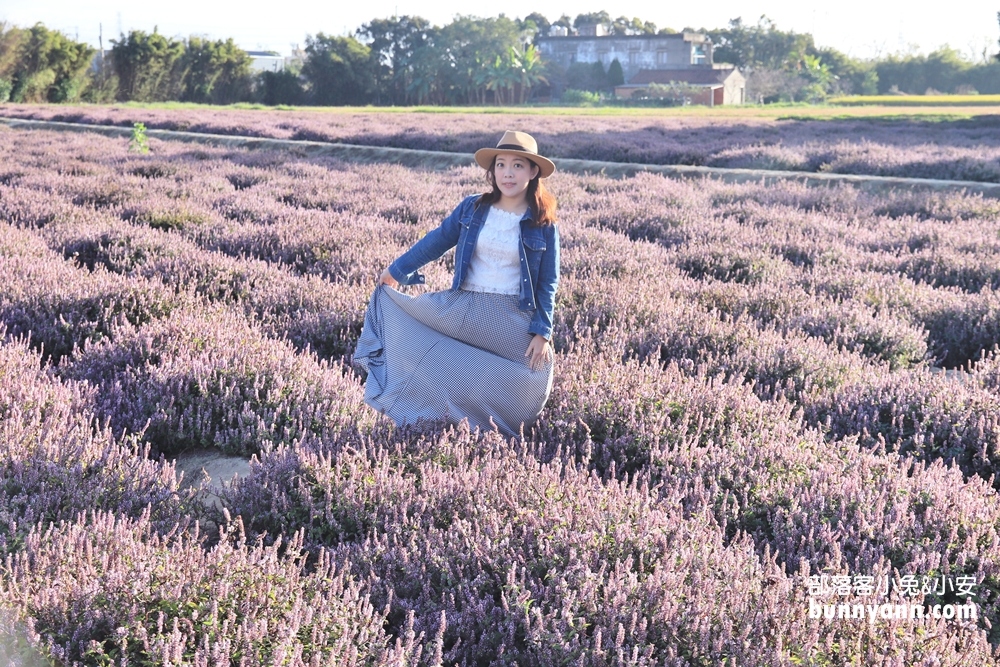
(539, 258)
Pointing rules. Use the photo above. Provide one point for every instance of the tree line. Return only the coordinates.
(406, 60)
(42, 65)
(785, 65)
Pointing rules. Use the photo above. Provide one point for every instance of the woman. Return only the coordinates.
(482, 350)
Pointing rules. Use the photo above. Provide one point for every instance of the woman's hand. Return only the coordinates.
(539, 352)
(387, 279)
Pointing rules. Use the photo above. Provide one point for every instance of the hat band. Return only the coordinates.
(515, 147)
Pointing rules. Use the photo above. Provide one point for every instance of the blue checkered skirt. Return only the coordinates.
(453, 355)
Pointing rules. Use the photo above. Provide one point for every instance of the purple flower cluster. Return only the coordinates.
(955, 150)
(110, 590)
(753, 384)
(57, 460)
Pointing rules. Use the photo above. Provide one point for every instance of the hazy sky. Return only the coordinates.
(862, 28)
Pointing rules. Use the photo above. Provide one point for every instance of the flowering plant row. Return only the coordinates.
(754, 385)
(965, 150)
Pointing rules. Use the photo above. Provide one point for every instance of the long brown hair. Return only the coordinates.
(540, 200)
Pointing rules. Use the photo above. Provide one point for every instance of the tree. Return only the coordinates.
(762, 45)
(422, 76)
(787, 65)
(587, 76)
(145, 64)
(819, 77)
(564, 21)
(593, 18)
(765, 85)
(501, 77)
(943, 69)
(616, 75)
(469, 50)
(282, 87)
(102, 86)
(515, 74)
(869, 83)
(851, 75)
(623, 26)
(339, 70)
(42, 65)
(11, 38)
(393, 43)
(215, 72)
(540, 23)
(598, 76)
(532, 71)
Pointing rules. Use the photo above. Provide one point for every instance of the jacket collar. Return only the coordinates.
(481, 209)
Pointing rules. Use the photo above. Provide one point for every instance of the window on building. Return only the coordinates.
(662, 58)
(697, 54)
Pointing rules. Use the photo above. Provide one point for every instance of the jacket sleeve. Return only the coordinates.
(545, 293)
(429, 248)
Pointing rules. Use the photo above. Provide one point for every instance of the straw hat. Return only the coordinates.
(520, 143)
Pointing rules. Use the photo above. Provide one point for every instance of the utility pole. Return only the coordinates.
(100, 45)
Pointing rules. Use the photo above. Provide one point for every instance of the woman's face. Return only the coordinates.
(513, 173)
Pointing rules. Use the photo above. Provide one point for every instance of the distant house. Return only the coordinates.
(723, 84)
(683, 58)
(633, 52)
(266, 61)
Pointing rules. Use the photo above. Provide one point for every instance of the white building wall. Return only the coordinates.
(267, 63)
(634, 53)
(734, 90)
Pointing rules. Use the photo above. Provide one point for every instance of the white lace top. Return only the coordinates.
(495, 264)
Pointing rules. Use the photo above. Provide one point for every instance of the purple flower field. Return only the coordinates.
(966, 150)
(753, 385)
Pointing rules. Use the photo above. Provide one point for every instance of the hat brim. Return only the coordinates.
(484, 158)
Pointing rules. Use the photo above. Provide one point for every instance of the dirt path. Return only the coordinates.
(212, 469)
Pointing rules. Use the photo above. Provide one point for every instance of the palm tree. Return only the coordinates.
(481, 77)
(422, 70)
(512, 73)
(501, 75)
(532, 70)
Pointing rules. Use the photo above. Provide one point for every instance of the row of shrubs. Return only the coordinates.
(480, 549)
(315, 260)
(964, 150)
